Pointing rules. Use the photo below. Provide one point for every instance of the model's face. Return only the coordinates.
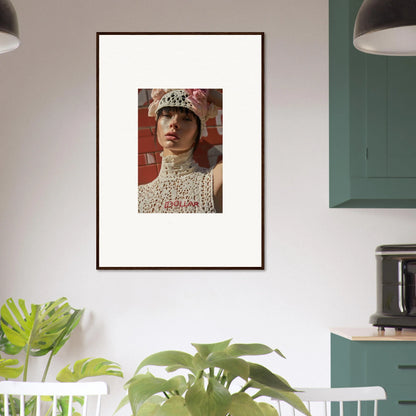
(176, 131)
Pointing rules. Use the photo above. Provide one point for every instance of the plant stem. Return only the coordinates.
(49, 411)
(29, 342)
(220, 371)
(245, 387)
(66, 330)
(12, 406)
(166, 395)
(26, 364)
(45, 372)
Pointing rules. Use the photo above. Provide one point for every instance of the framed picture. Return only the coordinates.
(180, 172)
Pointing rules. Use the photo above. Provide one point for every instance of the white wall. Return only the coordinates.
(320, 265)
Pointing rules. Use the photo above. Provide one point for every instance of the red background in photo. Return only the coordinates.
(208, 152)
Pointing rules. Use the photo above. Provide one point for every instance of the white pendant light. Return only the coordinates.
(9, 31)
(386, 27)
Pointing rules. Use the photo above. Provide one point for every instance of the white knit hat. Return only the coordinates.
(194, 100)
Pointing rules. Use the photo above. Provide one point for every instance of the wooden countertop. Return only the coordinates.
(374, 334)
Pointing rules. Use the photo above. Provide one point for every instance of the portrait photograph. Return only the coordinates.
(180, 150)
(179, 139)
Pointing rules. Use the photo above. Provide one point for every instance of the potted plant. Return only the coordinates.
(209, 387)
(40, 330)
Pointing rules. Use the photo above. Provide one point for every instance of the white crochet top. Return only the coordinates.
(181, 187)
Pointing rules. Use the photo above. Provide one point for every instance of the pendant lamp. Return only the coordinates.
(386, 27)
(9, 31)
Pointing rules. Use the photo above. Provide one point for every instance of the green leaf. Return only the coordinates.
(175, 406)
(191, 380)
(59, 342)
(286, 396)
(264, 376)
(148, 409)
(72, 323)
(238, 350)
(38, 329)
(124, 401)
(89, 367)
(235, 366)
(178, 359)
(6, 346)
(8, 369)
(199, 363)
(267, 409)
(153, 402)
(63, 404)
(143, 386)
(206, 349)
(243, 405)
(215, 401)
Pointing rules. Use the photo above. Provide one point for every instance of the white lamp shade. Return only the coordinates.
(386, 27)
(8, 42)
(400, 41)
(9, 31)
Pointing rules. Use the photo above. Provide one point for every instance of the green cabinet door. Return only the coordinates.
(372, 120)
(390, 364)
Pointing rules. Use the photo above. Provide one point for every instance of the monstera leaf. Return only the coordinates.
(89, 367)
(8, 368)
(70, 325)
(37, 329)
(6, 346)
(63, 337)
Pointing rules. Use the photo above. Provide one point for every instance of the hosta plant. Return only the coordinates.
(218, 383)
(42, 330)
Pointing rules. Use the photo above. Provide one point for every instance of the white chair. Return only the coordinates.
(49, 393)
(317, 400)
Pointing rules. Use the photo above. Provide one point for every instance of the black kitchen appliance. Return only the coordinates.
(396, 286)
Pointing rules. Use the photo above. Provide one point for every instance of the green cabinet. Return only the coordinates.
(372, 120)
(390, 364)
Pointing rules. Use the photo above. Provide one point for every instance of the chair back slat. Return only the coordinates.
(37, 405)
(90, 392)
(85, 406)
(70, 406)
(22, 404)
(6, 405)
(314, 398)
(54, 405)
(98, 411)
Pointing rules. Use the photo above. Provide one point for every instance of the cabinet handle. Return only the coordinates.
(407, 402)
(407, 367)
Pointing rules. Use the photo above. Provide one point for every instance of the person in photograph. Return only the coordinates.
(182, 186)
